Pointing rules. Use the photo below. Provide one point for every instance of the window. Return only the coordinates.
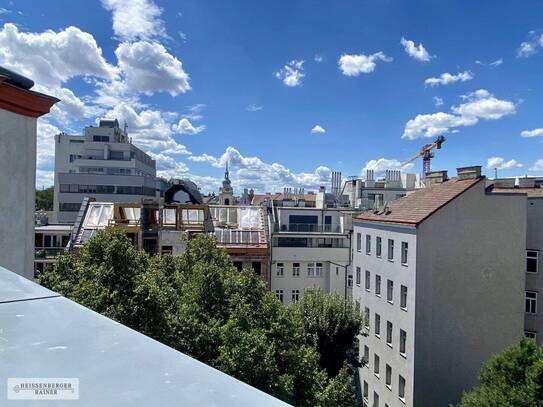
(377, 325)
(368, 277)
(530, 334)
(366, 391)
(390, 291)
(280, 269)
(318, 270)
(358, 242)
(376, 362)
(100, 138)
(531, 302)
(389, 333)
(257, 267)
(366, 357)
(391, 249)
(166, 250)
(401, 388)
(531, 260)
(378, 246)
(358, 276)
(295, 269)
(405, 249)
(350, 281)
(279, 295)
(311, 269)
(368, 244)
(375, 399)
(378, 285)
(388, 377)
(366, 318)
(403, 297)
(403, 339)
(295, 295)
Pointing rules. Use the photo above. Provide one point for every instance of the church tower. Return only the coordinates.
(226, 193)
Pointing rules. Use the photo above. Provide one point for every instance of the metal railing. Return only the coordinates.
(308, 228)
(48, 252)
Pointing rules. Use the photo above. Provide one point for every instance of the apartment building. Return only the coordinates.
(19, 109)
(440, 275)
(370, 193)
(310, 249)
(104, 164)
(49, 242)
(533, 307)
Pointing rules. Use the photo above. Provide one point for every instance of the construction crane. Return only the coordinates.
(426, 154)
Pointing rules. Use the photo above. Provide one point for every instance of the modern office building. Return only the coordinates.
(104, 164)
(49, 242)
(533, 307)
(20, 108)
(440, 275)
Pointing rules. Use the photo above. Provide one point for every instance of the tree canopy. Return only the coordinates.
(199, 304)
(44, 199)
(512, 378)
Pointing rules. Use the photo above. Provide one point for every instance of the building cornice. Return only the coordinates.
(24, 102)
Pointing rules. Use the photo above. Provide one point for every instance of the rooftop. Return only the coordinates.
(530, 192)
(419, 205)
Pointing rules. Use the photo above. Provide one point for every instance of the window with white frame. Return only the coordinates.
(378, 246)
(279, 295)
(318, 270)
(358, 242)
(377, 324)
(403, 297)
(390, 249)
(530, 334)
(378, 285)
(295, 295)
(358, 276)
(531, 302)
(280, 269)
(295, 269)
(388, 376)
(375, 399)
(366, 391)
(376, 363)
(389, 333)
(311, 269)
(350, 281)
(390, 291)
(368, 281)
(366, 318)
(366, 357)
(405, 249)
(532, 257)
(403, 340)
(368, 244)
(401, 388)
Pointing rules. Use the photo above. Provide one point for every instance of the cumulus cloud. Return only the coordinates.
(148, 67)
(318, 130)
(479, 105)
(537, 166)
(292, 73)
(437, 100)
(186, 127)
(501, 164)
(318, 58)
(354, 65)
(531, 46)
(254, 108)
(447, 78)
(415, 51)
(135, 19)
(532, 133)
(169, 167)
(380, 165)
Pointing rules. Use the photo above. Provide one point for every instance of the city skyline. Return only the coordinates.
(286, 93)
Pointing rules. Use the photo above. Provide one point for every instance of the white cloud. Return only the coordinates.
(530, 46)
(354, 65)
(380, 165)
(318, 58)
(437, 100)
(500, 163)
(148, 67)
(447, 78)
(186, 127)
(479, 105)
(497, 62)
(169, 167)
(532, 133)
(45, 152)
(253, 108)
(135, 19)
(318, 130)
(415, 51)
(292, 73)
(204, 158)
(538, 166)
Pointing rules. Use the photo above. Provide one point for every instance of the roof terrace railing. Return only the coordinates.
(308, 228)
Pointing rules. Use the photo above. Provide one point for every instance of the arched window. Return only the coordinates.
(227, 201)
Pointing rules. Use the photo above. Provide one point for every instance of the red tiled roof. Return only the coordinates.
(417, 206)
(259, 198)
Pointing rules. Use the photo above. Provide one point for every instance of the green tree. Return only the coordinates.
(199, 304)
(512, 378)
(44, 199)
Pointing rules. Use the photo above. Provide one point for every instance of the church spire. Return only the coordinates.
(227, 173)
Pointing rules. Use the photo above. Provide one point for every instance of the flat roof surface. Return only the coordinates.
(531, 192)
(116, 366)
(54, 228)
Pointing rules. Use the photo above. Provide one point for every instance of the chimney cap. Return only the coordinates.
(473, 171)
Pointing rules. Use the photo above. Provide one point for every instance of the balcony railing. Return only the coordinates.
(308, 228)
(48, 252)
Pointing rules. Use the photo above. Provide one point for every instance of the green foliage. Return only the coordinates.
(331, 325)
(512, 378)
(199, 304)
(44, 199)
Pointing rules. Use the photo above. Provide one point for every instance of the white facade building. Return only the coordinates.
(103, 164)
(440, 276)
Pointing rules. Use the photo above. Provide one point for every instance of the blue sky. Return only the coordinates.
(287, 91)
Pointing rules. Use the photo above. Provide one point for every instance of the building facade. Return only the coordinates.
(19, 109)
(103, 163)
(49, 242)
(440, 277)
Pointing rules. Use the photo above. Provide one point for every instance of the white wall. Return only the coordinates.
(17, 192)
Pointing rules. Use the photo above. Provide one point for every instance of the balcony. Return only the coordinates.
(308, 228)
(48, 252)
